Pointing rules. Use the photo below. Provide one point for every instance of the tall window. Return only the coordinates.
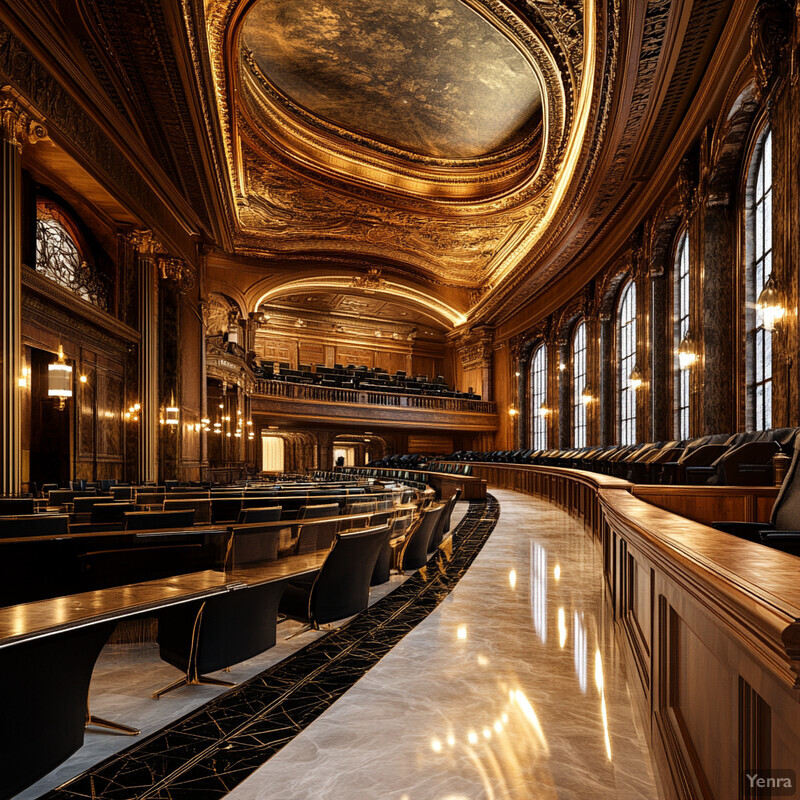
(538, 396)
(759, 339)
(578, 385)
(681, 277)
(626, 361)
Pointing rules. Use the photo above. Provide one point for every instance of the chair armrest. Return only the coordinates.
(704, 455)
(752, 531)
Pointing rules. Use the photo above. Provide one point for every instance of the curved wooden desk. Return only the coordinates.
(710, 628)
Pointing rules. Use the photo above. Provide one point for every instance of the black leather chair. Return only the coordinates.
(34, 525)
(414, 550)
(265, 514)
(151, 520)
(225, 509)
(82, 506)
(341, 587)
(783, 529)
(318, 511)
(443, 523)
(16, 505)
(111, 513)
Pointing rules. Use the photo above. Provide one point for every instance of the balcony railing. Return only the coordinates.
(332, 394)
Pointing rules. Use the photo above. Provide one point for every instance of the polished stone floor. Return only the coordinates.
(512, 688)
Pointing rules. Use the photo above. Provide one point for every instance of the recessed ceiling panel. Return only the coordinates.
(428, 76)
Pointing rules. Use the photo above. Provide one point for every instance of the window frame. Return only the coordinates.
(681, 321)
(626, 361)
(579, 374)
(537, 383)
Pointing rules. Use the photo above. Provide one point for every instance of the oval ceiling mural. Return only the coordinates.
(428, 76)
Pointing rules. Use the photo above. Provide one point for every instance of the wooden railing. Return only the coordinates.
(709, 625)
(333, 394)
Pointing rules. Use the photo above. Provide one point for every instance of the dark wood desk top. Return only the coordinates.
(28, 621)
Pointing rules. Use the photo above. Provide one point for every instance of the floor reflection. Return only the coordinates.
(490, 697)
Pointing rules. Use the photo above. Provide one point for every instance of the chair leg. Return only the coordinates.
(184, 680)
(99, 722)
(302, 630)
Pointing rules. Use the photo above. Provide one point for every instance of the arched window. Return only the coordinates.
(681, 306)
(626, 361)
(759, 267)
(60, 255)
(538, 395)
(578, 385)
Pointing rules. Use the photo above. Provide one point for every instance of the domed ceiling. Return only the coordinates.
(424, 138)
(432, 77)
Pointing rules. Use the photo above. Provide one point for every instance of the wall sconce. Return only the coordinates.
(562, 366)
(770, 304)
(132, 414)
(172, 412)
(687, 353)
(586, 396)
(83, 379)
(516, 374)
(59, 379)
(543, 410)
(635, 378)
(23, 381)
(512, 412)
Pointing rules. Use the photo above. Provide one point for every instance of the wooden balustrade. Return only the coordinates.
(333, 394)
(709, 625)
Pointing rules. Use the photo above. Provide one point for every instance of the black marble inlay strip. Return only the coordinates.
(205, 754)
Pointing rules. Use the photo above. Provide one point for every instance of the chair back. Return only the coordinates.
(341, 588)
(265, 514)
(318, 511)
(110, 512)
(254, 544)
(225, 509)
(786, 510)
(34, 525)
(201, 508)
(16, 505)
(150, 520)
(315, 537)
(150, 499)
(415, 550)
(84, 505)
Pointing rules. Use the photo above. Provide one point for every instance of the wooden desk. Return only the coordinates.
(48, 650)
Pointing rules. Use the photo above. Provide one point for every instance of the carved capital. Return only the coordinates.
(769, 41)
(177, 271)
(19, 124)
(145, 243)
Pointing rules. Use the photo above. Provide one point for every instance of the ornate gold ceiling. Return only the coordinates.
(427, 136)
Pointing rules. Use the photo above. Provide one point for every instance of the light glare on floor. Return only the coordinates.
(436, 746)
(557, 572)
(461, 633)
(472, 737)
(512, 578)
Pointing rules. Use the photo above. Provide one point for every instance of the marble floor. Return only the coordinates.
(512, 688)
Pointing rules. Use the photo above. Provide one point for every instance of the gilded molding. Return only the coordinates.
(19, 123)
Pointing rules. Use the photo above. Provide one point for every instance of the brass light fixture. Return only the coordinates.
(635, 378)
(770, 304)
(687, 352)
(172, 412)
(512, 412)
(59, 379)
(586, 396)
(543, 410)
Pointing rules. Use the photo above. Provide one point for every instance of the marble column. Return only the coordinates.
(660, 360)
(148, 247)
(564, 407)
(17, 129)
(608, 431)
(525, 423)
(717, 327)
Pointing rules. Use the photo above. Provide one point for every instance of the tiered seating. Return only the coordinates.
(373, 379)
(742, 459)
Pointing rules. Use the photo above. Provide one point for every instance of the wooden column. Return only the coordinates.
(17, 128)
(148, 247)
